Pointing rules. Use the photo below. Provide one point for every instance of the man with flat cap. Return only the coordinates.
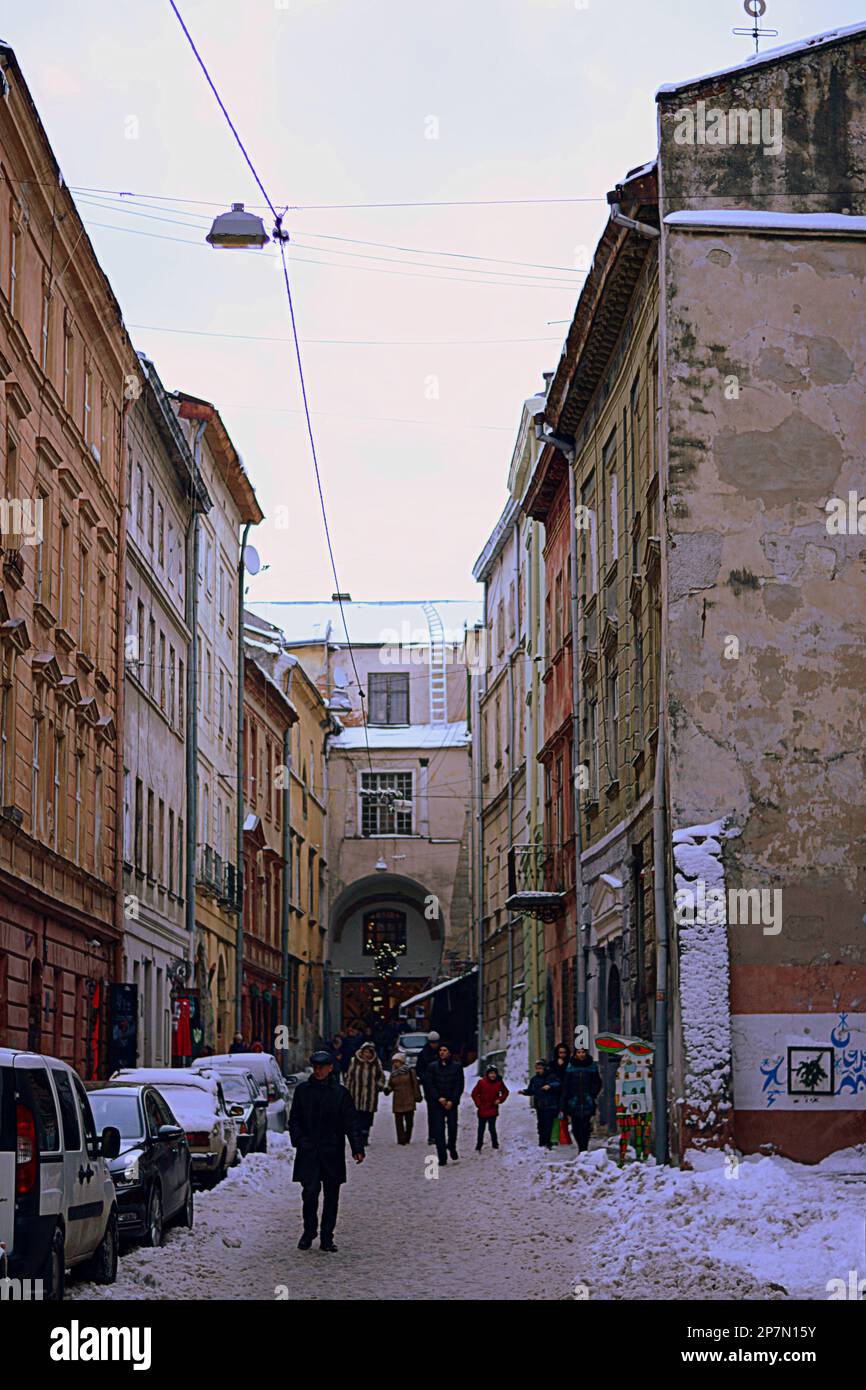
(322, 1118)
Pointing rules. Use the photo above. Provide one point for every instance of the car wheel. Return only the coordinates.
(187, 1211)
(153, 1236)
(263, 1142)
(101, 1268)
(54, 1269)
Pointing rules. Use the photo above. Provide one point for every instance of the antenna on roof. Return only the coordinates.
(755, 9)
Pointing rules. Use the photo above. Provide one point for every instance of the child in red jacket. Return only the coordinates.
(488, 1094)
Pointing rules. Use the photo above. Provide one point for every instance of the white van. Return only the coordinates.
(57, 1204)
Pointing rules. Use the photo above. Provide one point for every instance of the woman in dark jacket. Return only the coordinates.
(580, 1087)
(559, 1064)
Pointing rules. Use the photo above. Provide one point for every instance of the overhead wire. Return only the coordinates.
(302, 381)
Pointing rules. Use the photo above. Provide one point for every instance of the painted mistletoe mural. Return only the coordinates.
(792, 1062)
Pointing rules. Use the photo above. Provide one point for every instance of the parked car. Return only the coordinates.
(266, 1071)
(57, 1203)
(153, 1171)
(248, 1105)
(411, 1044)
(199, 1103)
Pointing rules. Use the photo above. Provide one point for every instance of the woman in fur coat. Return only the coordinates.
(365, 1079)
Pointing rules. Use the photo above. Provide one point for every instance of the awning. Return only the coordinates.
(446, 984)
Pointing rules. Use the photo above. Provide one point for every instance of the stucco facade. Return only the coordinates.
(67, 370)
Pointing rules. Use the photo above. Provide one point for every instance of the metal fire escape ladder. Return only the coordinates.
(438, 673)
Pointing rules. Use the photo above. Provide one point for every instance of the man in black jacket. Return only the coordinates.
(322, 1118)
(428, 1054)
(444, 1086)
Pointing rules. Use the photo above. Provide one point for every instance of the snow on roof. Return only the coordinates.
(446, 984)
(749, 220)
(370, 623)
(162, 1076)
(771, 55)
(439, 736)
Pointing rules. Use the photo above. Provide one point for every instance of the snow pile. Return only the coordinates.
(517, 1050)
(759, 1228)
(704, 978)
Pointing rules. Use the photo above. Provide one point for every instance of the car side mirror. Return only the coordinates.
(169, 1132)
(236, 1109)
(109, 1144)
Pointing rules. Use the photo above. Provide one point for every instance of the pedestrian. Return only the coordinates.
(488, 1094)
(429, 1053)
(543, 1092)
(321, 1119)
(351, 1042)
(365, 1079)
(403, 1086)
(580, 1087)
(559, 1063)
(256, 1047)
(238, 1044)
(444, 1087)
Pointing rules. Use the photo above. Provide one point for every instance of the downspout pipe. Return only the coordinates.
(239, 874)
(192, 705)
(285, 903)
(643, 229)
(660, 1024)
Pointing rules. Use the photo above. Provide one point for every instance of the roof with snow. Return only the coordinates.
(371, 624)
(754, 220)
(438, 736)
(771, 55)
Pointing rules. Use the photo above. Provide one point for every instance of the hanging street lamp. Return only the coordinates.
(237, 229)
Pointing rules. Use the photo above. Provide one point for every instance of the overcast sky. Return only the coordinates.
(416, 405)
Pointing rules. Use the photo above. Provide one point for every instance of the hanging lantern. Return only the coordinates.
(237, 229)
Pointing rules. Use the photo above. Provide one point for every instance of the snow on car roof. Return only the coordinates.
(164, 1076)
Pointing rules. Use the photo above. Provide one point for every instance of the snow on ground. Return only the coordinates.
(519, 1224)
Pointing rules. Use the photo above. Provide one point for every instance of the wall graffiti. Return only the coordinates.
(799, 1061)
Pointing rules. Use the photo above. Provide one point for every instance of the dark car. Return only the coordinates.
(153, 1173)
(249, 1107)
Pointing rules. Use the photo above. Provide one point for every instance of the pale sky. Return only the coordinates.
(415, 409)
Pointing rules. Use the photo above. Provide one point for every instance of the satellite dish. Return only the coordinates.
(252, 561)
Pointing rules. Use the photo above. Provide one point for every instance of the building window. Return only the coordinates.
(388, 698)
(45, 351)
(162, 673)
(311, 882)
(384, 927)
(79, 764)
(171, 880)
(127, 817)
(83, 594)
(171, 553)
(34, 778)
(180, 884)
(150, 518)
(7, 725)
(222, 699)
(14, 270)
(151, 655)
(102, 625)
(150, 831)
(62, 587)
(88, 405)
(160, 853)
(386, 803)
(172, 685)
(181, 693)
(58, 838)
(43, 549)
(67, 366)
(160, 535)
(139, 819)
(97, 822)
(593, 749)
(139, 497)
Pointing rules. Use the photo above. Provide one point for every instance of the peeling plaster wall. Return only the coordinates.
(765, 611)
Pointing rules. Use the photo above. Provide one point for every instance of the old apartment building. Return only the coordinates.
(162, 490)
(68, 375)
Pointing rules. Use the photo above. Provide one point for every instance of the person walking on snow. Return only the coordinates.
(403, 1086)
(321, 1119)
(581, 1085)
(444, 1086)
(488, 1094)
(429, 1053)
(543, 1090)
(365, 1079)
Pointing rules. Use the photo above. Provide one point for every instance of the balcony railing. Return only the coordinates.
(217, 876)
(537, 881)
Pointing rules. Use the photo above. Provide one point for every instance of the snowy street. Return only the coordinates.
(518, 1225)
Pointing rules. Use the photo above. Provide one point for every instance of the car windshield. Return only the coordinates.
(234, 1086)
(123, 1112)
(413, 1039)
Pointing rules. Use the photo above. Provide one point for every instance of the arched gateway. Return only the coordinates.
(385, 945)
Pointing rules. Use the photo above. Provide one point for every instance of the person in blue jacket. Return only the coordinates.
(581, 1085)
(543, 1089)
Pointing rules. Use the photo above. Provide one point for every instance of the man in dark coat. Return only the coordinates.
(444, 1085)
(429, 1053)
(322, 1118)
(580, 1086)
